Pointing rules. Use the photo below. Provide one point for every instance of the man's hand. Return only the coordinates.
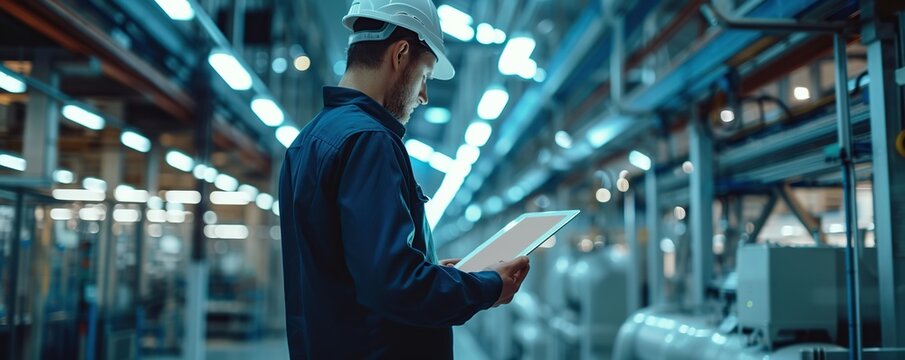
(513, 273)
(450, 262)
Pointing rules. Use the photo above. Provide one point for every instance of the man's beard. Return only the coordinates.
(401, 95)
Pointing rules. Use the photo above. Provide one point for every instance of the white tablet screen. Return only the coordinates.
(519, 237)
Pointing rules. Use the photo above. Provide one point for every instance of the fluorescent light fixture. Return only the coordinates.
(226, 182)
(94, 184)
(210, 174)
(264, 201)
(836, 228)
(473, 213)
(435, 208)
(249, 190)
(183, 196)
(63, 176)
(563, 139)
(540, 76)
(516, 53)
(12, 162)
(135, 141)
(640, 160)
(83, 117)
(180, 161)
(179, 10)
(515, 194)
(727, 116)
(11, 83)
(279, 65)
(492, 103)
(268, 111)
(468, 153)
(91, 214)
(276, 208)
(440, 162)
(499, 36)
(229, 198)
(455, 23)
(486, 34)
(126, 215)
(233, 232)
(460, 169)
(60, 214)
(125, 193)
(493, 204)
(478, 133)
(198, 171)
(419, 150)
(157, 215)
(801, 93)
(286, 134)
(155, 203)
(437, 115)
(527, 69)
(209, 217)
(603, 195)
(228, 67)
(175, 216)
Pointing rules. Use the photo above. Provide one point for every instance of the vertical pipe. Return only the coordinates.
(617, 59)
(654, 257)
(701, 204)
(633, 274)
(12, 296)
(849, 199)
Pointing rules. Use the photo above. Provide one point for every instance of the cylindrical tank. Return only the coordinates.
(661, 333)
(596, 292)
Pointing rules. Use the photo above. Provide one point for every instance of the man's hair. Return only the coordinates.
(369, 54)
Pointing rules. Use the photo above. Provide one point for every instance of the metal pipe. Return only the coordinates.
(849, 199)
(779, 25)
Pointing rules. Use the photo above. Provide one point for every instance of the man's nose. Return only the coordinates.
(422, 96)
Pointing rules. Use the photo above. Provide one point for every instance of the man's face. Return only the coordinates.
(410, 90)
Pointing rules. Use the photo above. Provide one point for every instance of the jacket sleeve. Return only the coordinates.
(390, 276)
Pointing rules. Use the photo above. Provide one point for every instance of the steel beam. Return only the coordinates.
(888, 170)
(701, 206)
(806, 218)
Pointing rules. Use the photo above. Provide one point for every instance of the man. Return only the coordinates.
(361, 275)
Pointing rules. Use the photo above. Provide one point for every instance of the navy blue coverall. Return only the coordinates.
(361, 277)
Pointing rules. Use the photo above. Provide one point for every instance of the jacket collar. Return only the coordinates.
(340, 96)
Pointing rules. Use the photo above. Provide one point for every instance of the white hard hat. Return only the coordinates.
(419, 16)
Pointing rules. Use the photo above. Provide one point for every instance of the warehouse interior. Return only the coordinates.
(739, 166)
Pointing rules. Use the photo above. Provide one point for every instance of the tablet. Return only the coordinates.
(520, 237)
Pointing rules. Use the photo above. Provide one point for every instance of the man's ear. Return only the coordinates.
(400, 52)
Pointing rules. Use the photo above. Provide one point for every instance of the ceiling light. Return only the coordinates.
(455, 23)
(11, 83)
(126, 193)
(13, 162)
(801, 93)
(60, 214)
(528, 69)
(268, 111)
(473, 213)
(63, 176)
(210, 174)
(339, 67)
(622, 184)
(563, 139)
(83, 117)
(264, 201)
(437, 115)
(419, 150)
(540, 76)
(228, 67)
(687, 167)
(135, 141)
(486, 34)
(286, 134)
(679, 212)
(198, 171)
(440, 162)
(180, 161)
(179, 10)
(234, 232)
(226, 182)
(517, 51)
(183, 196)
(499, 36)
(78, 195)
(279, 65)
(727, 116)
(478, 133)
(230, 198)
(302, 63)
(249, 190)
(492, 103)
(640, 160)
(92, 214)
(468, 153)
(157, 215)
(603, 195)
(126, 215)
(275, 208)
(95, 184)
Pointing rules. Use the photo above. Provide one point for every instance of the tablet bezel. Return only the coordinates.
(567, 215)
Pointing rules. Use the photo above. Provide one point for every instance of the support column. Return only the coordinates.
(633, 275)
(42, 123)
(878, 35)
(654, 255)
(701, 204)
